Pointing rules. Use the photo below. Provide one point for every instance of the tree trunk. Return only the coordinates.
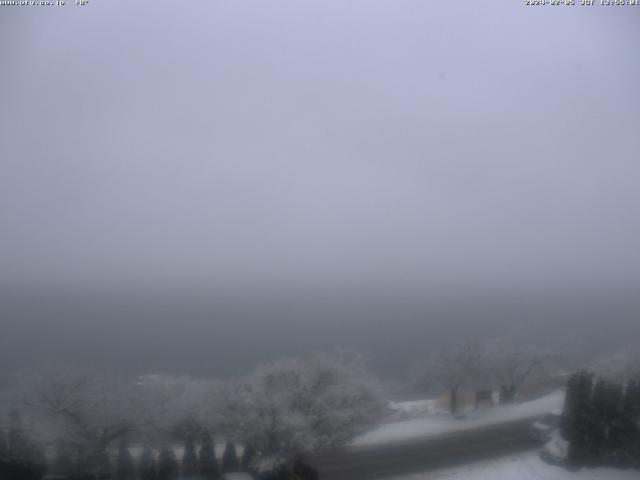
(508, 394)
(453, 400)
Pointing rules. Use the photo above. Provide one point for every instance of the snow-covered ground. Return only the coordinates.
(433, 425)
(526, 466)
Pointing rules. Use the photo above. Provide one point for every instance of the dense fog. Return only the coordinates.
(222, 336)
(200, 189)
(319, 239)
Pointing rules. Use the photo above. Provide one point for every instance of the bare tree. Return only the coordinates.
(173, 406)
(511, 362)
(452, 368)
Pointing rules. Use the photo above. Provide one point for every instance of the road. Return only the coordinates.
(453, 449)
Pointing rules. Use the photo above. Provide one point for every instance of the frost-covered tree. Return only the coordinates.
(303, 404)
(510, 362)
(86, 411)
(452, 368)
(173, 407)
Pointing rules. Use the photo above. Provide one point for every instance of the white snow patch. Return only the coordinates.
(237, 476)
(422, 407)
(556, 450)
(440, 424)
(526, 466)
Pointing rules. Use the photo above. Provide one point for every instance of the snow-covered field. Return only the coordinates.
(526, 466)
(439, 424)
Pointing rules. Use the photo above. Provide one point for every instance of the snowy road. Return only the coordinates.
(522, 466)
(448, 450)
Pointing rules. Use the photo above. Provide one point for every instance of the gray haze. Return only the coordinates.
(199, 186)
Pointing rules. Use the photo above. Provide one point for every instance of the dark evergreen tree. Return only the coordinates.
(208, 464)
(576, 419)
(147, 465)
(614, 426)
(167, 464)
(607, 426)
(284, 472)
(4, 455)
(601, 421)
(230, 459)
(630, 425)
(125, 467)
(4, 448)
(634, 419)
(302, 471)
(96, 463)
(248, 459)
(569, 409)
(40, 461)
(18, 445)
(26, 459)
(598, 422)
(189, 458)
(62, 461)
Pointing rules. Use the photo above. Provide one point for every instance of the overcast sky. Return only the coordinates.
(328, 146)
